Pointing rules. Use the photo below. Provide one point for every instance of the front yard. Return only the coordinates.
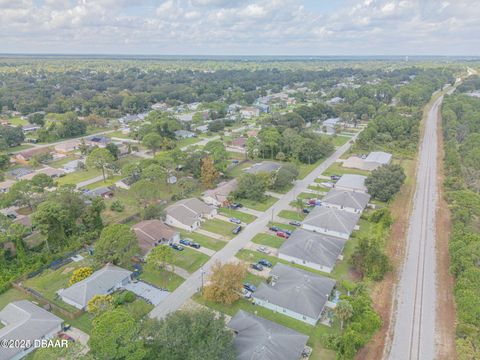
(257, 205)
(337, 169)
(268, 240)
(161, 278)
(203, 240)
(291, 215)
(79, 176)
(219, 227)
(246, 218)
(189, 259)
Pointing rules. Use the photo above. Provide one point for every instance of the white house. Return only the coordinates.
(219, 196)
(331, 221)
(293, 292)
(102, 282)
(346, 200)
(23, 320)
(188, 214)
(351, 182)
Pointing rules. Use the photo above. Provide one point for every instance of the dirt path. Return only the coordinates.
(446, 312)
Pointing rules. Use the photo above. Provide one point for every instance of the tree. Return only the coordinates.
(225, 283)
(42, 181)
(117, 244)
(115, 335)
(113, 149)
(144, 191)
(201, 333)
(152, 141)
(284, 177)
(154, 172)
(22, 193)
(99, 304)
(251, 186)
(52, 220)
(343, 311)
(369, 259)
(270, 140)
(100, 159)
(209, 174)
(160, 257)
(80, 274)
(91, 217)
(384, 182)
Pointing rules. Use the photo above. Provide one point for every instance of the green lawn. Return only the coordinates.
(60, 162)
(291, 215)
(19, 148)
(305, 195)
(282, 225)
(189, 141)
(189, 259)
(161, 278)
(305, 169)
(246, 218)
(83, 322)
(203, 240)
(238, 170)
(219, 227)
(340, 140)
(16, 121)
(319, 189)
(12, 295)
(259, 206)
(108, 182)
(268, 240)
(79, 176)
(118, 134)
(337, 169)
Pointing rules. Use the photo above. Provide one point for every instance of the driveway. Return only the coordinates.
(186, 290)
(148, 292)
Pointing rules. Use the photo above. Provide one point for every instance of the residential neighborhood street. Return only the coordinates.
(175, 300)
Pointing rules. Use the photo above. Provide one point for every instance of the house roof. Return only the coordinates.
(379, 157)
(313, 247)
(100, 191)
(345, 198)
(331, 121)
(297, 290)
(222, 191)
(264, 166)
(260, 339)
(47, 170)
(67, 145)
(352, 181)
(150, 232)
(27, 321)
(187, 211)
(99, 283)
(26, 154)
(332, 219)
(184, 133)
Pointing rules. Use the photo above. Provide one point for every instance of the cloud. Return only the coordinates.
(241, 26)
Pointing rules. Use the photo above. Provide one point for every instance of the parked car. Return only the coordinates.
(247, 294)
(295, 223)
(265, 262)
(66, 337)
(312, 201)
(335, 177)
(235, 220)
(257, 267)
(236, 206)
(263, 249)
(237, 230)
(249, 287)
(185, 242)
(306, 211)
(177, 247)
(194, 245)
(234, 161)
(282, 234)
(274, 228)
(364, 156)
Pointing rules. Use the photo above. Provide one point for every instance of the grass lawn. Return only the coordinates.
(246, 218)
(79, 176)
(50, 281)
(60, 162)
(131, 207)
(305, 195)
(291, 215)
(319, 189)
(233, 155)
(189, 259)
(188, 141)
(19, 148)
(259, 206)
(282, 225)
(108, 182)
(337, 169)
(161, 278)
(340, 140)
(83, 322)
(219, 227)
(118, 134)
(12, 295)
(268, 240)
(305, 169)
(238, 170)
(203, 240)
(16, 121)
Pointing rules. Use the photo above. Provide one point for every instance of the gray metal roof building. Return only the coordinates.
(26, 321)
(260, 339)
(347, 199)
(264, 166)
(313, 247)
(352, 182)
(331, 220)
(297, 290)
(379, 157)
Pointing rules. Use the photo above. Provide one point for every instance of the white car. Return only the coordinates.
(263, 249)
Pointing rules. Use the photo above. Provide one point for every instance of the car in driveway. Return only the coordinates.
(236, 206)
(265, 262)
(235, 220)
(282, 234)
(335, 177)
(237, 230)
(185, 242)
(194, 245)
(257, 267)
(249, 287)
(306, 211)
(263, 249)
(295, 223)
(274, 228)
(177, 247)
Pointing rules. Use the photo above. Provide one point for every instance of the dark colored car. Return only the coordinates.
(194, 245)
(185, 242)
(177, 247)
(295, 223)
(235, 220)
(257, 267)
(335, 177)
(306, 211)
(249, 287)
(237, 230)
(236, 206)
(265, 263)
(274, 228)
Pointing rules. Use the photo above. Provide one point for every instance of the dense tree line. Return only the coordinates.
(461, 130)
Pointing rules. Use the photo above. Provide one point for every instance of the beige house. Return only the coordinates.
(219, 196)
(188, 214)
(151, 233)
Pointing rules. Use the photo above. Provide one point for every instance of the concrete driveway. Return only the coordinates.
(148, 292)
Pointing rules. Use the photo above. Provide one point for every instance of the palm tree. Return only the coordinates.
(343, 311)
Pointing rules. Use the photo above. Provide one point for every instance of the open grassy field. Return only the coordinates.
(259, 206)
(203, 240)
(246, 218)
(19, 148)
(60, 162)
(161, 278)
(108, 182)
(189, 259)
(337, 169)
(219, 227)
(12, 295)
(79, 176)
(291, 215)
(188, 141)
(268, 240)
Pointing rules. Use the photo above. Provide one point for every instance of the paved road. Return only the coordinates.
(414, 333)
(89, 181)
(175, 300)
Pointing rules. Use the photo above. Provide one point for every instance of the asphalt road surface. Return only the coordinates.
(175, 300)
(414, 332)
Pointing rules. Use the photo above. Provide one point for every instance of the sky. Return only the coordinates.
(241, 27)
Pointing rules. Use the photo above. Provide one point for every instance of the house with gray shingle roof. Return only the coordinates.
(102, 282)
(23, 320)
(258, 338)
(293, 292)
(188, 213)
(314, 250)
(351, 182)
(376, 159)
(346, 200)
(331, 221)
(263, 167)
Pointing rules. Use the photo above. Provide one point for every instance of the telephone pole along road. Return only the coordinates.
(414, 332)
(191, 285)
